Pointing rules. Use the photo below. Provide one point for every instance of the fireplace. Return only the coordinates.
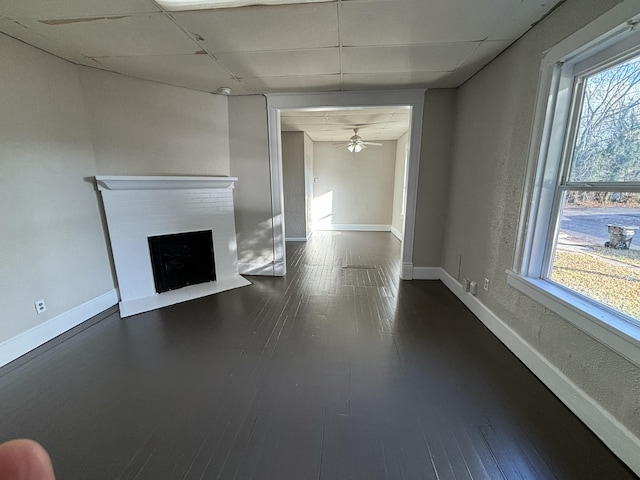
(173, 239)
(182, 259)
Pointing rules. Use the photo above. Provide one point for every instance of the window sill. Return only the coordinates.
(612, 330)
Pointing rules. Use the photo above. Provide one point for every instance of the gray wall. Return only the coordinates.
(397, 218)
(61, 125)
(433, 180)
(293, 180)
(308, 186)
(53, 244)
(361, 185)
(249, 151)
(492, 135)
(146, 128)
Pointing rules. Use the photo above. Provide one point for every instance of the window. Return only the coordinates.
(597, 199)
(580, 253)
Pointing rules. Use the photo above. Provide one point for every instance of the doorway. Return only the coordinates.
(279, 103)
(344, 169)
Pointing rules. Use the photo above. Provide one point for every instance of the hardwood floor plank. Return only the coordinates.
(336, 371)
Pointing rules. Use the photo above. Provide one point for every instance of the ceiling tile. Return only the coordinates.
(401, 116)
(199, 72)
(39, 9)
(361, 119)
(322, 61)
(303, 113)
(391, 80)
(340, 123)
(17, 30)
(262, 28)
(307, 121)
(394, 22)
(291, 84)
(441, 57)
(118, 36)
(485, 53)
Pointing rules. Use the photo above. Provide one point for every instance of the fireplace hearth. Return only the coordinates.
(173, 238)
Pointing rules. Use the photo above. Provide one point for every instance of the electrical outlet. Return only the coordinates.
(486, 284)
(473, 288)
(40, 306)
(465, 284)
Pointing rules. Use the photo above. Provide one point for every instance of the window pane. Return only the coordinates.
(607, 146)
(597, 250)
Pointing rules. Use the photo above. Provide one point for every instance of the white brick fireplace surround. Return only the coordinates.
(141, 207)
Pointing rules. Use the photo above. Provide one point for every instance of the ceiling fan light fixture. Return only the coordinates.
(357, 148)
(182, 5)
(351, 147)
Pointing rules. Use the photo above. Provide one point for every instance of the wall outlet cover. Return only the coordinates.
(40, 306)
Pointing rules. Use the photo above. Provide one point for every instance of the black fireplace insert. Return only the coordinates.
(182, 259)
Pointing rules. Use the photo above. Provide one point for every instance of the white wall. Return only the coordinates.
(249, 150)
(146, 128)
(293, 184)
(353, 189)
(53, 244)
(397, 218)
(492, 135)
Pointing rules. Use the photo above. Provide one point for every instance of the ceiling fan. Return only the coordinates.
(356, 144)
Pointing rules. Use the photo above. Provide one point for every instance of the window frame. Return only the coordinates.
(608, 40)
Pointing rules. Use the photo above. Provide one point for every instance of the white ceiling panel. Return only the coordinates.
(396, 22)
(152, 34)
(71, 9)
(486, 52)
(293, 84)
(322, 61)
(254, 29)
(442, 57)
(482, 56)
(361, 119)
(199, 72)
(321, 128)
(306, 121)
(17, 30)
(339, 45)
(391, 80)
(338, 125)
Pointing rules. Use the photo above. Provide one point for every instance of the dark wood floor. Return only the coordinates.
(338, 371)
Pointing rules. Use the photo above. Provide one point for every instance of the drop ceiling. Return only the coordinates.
(374, 124)
(337, 45)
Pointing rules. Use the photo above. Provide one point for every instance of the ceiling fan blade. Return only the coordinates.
(372, 143)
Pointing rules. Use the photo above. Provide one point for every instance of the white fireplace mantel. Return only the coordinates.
(162, 182)
(140, 207)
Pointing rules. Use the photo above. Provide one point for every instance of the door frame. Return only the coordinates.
(279, 102)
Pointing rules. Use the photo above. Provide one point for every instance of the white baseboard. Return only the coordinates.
(427, 273)
(265, 269)
(26, 341)
(271, 269)
(407, 271)
(614, 434)
(356, 227)
(397, 233)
